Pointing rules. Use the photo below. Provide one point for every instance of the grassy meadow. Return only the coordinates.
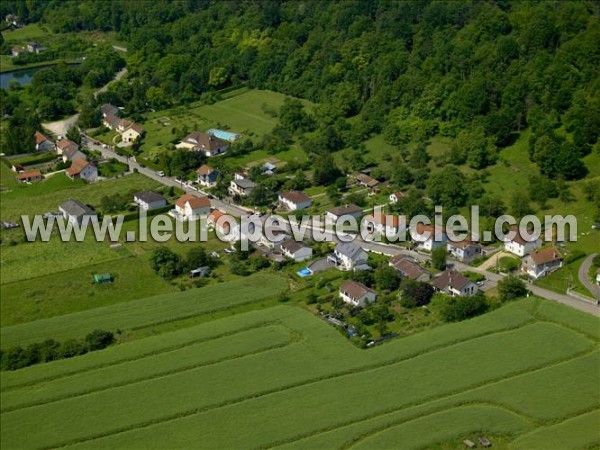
(147, 311)
(237, 382)
(241, 111)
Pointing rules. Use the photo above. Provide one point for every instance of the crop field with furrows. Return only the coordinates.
(525, 375)
(145, 312)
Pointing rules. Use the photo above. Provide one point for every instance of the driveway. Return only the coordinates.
(320, 265)
(584, 270)
(60, 127)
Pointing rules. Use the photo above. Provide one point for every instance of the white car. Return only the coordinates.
(160, 173)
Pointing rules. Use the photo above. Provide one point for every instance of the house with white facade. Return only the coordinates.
(296, 250)
(76, 212)
(190, 207)
(520, 244)
(241, 187)
(384, 224)
(82, 170)
(43, 143)
(219, 222)
(349, 256)
(294, 200)
(465, 250)
(429, 237)
(206, 143)
(347, 210)
(66, 145)
(149, 200)
(395, 196)
(132, 132)
(453, 283)
(356, 294)
(540, 263)
(207, 176)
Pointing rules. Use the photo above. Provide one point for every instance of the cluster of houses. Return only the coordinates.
(68, 151)
(350, 256)
(31, 47)
(129, 131)
(537, 262)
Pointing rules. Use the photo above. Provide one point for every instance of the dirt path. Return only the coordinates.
(495, 257)
(60, 127)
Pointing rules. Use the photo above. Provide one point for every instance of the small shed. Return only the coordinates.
(484, 441)
(200, 272)
(101, 278)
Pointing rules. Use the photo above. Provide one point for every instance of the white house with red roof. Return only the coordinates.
(83, 170)
(384, 224)
(207, 176)
(520, 243)
(190, 207)
(429, 237)
(540, 263)
(43, 143)
(217, 220)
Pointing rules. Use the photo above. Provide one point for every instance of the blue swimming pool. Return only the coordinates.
(225, 135)
(306, 272)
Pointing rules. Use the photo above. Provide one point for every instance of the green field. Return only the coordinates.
(145, 312)
(282, 378)
(241, 112)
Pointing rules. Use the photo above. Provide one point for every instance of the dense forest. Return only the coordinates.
(479, 72)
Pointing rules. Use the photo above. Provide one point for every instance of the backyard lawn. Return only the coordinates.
(242, 112)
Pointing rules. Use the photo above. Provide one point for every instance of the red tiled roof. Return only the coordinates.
(390, 220)
(30, 174)
(39, 138)
(546, 255)
(205, 170)
(66, 143)
(77, 166)
(194, 202)
(519, 238)
(462, 244)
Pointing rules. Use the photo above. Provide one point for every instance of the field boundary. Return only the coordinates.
(353, 371)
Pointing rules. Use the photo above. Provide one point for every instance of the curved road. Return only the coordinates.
(584, 269)
(60, 127)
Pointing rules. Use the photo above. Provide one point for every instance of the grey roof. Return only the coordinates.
(149, 196)
(245, 184)
(108, 109)
(349, 249)
(292, 246)
(76, 208)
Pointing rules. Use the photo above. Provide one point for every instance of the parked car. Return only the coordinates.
(160, 173)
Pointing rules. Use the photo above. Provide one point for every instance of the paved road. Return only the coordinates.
(378, 247)
(584, 269)
(92, 144)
